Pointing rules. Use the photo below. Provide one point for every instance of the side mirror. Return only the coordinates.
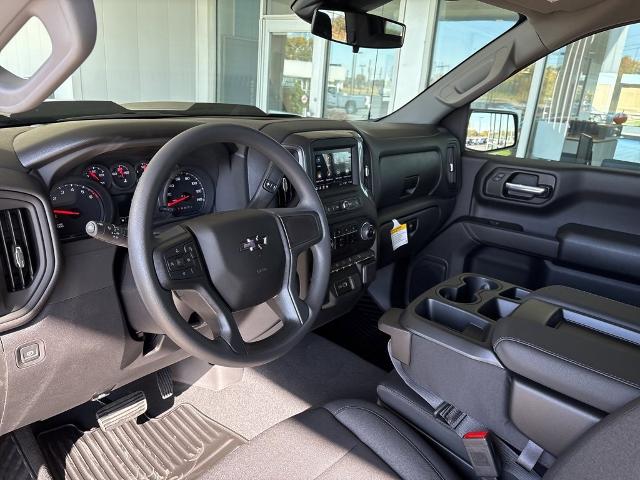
(357, 29)
(491, 130)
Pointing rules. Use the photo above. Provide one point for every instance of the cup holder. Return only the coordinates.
(498, 308)
(515, 293)
(469, 290)
(454, 318)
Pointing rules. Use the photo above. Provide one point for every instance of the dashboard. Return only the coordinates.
(102, 189)
(57, 177)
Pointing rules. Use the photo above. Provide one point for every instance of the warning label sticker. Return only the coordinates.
(399, 235)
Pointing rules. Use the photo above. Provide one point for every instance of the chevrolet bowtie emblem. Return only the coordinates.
(254, 243)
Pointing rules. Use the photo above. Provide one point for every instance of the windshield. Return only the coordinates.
(169, 54)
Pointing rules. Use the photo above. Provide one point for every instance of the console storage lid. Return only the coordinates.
(579, 349)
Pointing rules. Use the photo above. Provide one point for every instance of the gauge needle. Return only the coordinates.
(72, 213)
(94, 176)
(178, 200)
(121, 171)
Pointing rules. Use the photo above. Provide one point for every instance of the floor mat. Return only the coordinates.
(13, 465)
(357, 331)
(315, 372)
(181, 442)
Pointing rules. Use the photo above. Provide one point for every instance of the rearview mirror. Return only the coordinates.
(357, 29)
(491, 130)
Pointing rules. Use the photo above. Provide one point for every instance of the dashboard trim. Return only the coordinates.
(25, 190)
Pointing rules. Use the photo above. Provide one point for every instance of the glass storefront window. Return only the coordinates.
(237, 51)
(389, 10)
(278, 7)
(289, 73)
(463, 27)
(359, 85)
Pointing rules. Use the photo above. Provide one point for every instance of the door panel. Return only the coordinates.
(581, 232)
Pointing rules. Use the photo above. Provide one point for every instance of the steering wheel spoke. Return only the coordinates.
(289, 306)
(181, 268)
(203, 299)
(302, 228)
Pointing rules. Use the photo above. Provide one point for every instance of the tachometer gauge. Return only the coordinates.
(186, 194)
(99, 174)
(75, 204)
(122, 175)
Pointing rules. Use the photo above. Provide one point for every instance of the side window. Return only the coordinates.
(580, 104)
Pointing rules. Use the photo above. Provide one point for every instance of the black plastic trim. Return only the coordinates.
(22, 190)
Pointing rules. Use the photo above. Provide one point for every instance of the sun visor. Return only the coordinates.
(68, 26)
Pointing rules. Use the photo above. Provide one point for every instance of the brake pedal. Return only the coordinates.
(121, 411)
(165, 383)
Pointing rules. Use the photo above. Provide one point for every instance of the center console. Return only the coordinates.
(541, 365)
(335, 162)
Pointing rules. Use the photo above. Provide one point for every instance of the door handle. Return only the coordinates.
(528, 190)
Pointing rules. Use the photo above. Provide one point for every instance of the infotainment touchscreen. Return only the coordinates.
(333, 167)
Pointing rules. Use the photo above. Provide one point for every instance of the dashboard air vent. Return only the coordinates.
(286, 193)
(17, 254)
(366, 171)
(452, 165)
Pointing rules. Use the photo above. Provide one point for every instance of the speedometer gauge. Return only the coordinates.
(186, 194)
(74, 204)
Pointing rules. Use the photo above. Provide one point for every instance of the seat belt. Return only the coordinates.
(454, 418)
(520, 466)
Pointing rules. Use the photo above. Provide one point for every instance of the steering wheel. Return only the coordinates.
(225, 262)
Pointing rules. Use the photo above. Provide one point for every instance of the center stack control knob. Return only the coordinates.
(367, 231)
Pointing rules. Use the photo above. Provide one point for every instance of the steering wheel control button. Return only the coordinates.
(270, 185)
(30, 354)
(190, 248)
(182, 262)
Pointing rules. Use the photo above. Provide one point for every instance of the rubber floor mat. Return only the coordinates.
(179, 444)
(13, 465)
(357, 331)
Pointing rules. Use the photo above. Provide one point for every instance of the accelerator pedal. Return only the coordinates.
(165, 383)
(121, 411)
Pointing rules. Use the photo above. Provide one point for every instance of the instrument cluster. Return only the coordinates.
(102, 192)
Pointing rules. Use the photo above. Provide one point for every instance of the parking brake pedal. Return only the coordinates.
(121, 411)
(165, 383)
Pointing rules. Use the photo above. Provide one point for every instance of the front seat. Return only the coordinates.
(353, 439)
(346, 439)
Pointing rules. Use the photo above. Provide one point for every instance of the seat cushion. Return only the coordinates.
(609, 450)
(344, 439)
